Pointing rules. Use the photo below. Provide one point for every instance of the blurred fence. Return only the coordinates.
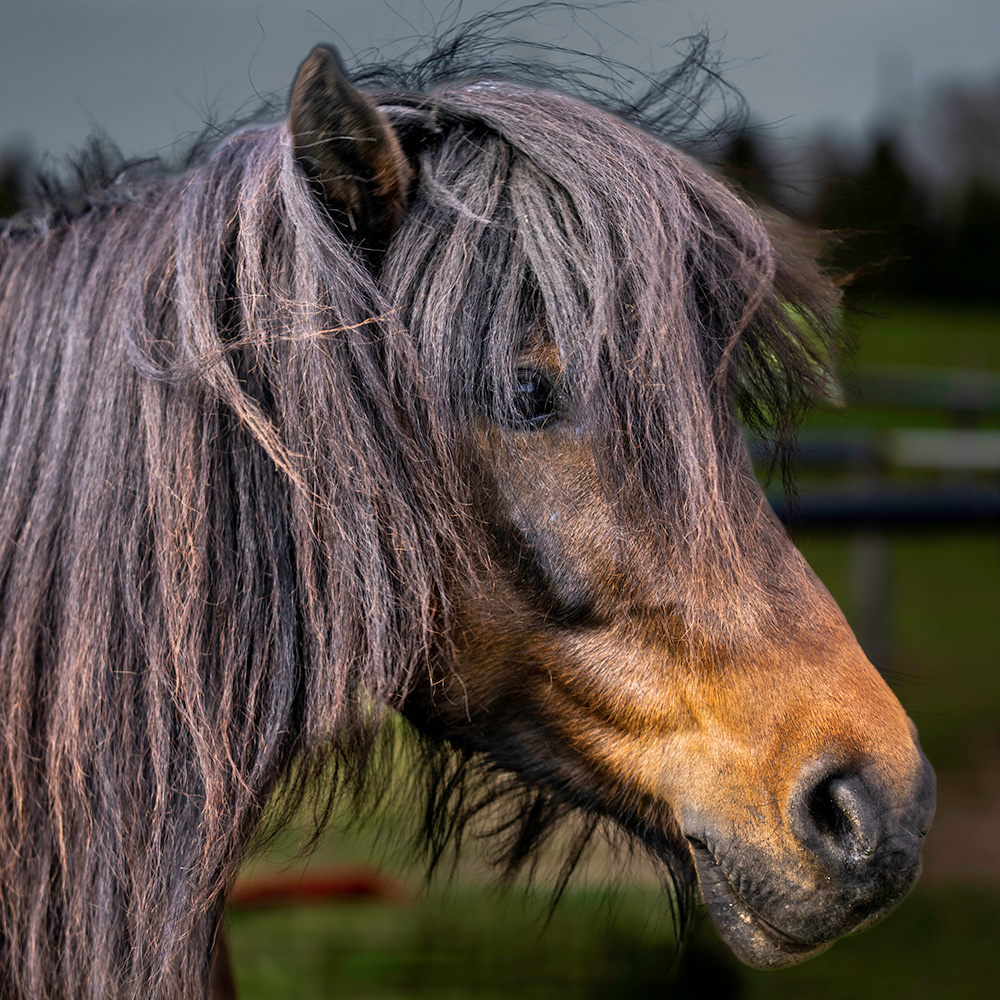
(901, 479)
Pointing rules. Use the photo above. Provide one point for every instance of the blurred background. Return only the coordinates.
(877, 120)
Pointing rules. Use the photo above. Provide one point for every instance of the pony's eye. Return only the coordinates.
(534, 399)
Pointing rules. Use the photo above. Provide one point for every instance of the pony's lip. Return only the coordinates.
(752, 938)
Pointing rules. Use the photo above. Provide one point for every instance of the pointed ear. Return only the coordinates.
(349, 151)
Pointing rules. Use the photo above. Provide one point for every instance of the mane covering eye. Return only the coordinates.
(533, 402)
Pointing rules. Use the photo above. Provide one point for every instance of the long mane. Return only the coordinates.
(233, 503)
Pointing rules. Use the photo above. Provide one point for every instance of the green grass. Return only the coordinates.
(939, 943)
(937, 336)
(460, 944)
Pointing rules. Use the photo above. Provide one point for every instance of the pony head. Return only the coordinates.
(629, 627)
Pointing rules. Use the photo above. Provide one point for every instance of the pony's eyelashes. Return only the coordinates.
(533, 400)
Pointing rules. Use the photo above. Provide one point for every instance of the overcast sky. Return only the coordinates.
(148, 71)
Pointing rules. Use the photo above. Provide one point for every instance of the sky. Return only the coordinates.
(148, 72)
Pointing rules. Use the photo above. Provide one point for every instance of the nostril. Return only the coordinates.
(838, 817)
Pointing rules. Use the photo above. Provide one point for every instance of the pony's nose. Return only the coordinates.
(839, 818)
(849, 823)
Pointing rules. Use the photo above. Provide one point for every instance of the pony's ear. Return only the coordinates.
(349, 151)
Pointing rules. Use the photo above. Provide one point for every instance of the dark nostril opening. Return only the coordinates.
(838, 817)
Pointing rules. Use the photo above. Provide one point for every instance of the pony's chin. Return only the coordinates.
(748, 935)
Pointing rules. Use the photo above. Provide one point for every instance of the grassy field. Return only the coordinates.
(607, 939)
(938, 336)
(940, 943)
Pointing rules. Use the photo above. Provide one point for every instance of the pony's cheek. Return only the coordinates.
(653, 724)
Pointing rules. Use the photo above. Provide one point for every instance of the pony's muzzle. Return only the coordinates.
(852, 855)
(863, 839)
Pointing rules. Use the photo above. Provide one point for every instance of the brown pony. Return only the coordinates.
(427, 401)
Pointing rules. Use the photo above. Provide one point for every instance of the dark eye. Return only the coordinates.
(534, 399)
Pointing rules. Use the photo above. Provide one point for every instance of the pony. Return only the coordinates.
(426, 401)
